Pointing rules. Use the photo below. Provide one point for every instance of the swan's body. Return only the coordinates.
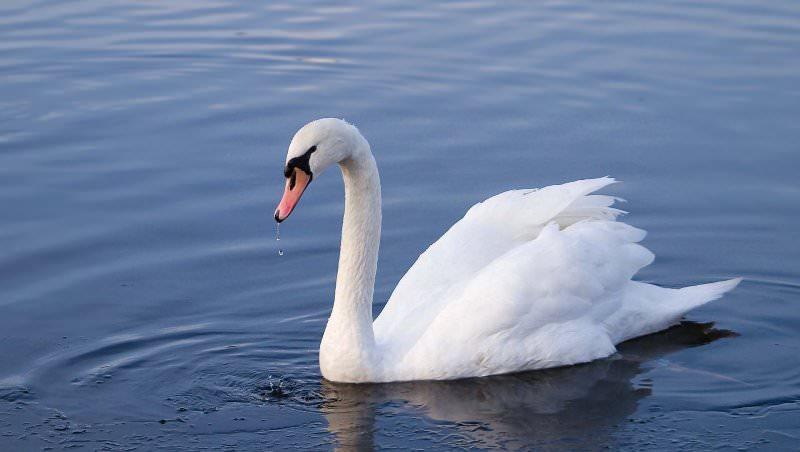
(528, 279)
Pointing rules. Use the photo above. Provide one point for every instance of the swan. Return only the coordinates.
(527, 279)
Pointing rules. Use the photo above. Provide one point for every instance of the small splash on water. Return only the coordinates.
(276, 388)
(278, 237)
(280, 389)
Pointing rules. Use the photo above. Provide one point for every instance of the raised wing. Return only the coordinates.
(488, 231)
(540, 305)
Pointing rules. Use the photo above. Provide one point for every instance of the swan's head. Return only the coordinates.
(316, 146)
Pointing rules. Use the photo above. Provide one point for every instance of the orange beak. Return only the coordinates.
(295, 186)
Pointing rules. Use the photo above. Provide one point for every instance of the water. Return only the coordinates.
(144, 304)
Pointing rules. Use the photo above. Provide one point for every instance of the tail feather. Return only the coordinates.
(649, 308)
(694, 296)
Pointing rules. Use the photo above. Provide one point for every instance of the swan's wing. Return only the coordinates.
(542, 304)
(489, 230)
(563, 298)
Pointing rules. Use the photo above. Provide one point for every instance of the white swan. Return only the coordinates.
(528, 279)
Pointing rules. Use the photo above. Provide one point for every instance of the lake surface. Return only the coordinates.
(143, 303)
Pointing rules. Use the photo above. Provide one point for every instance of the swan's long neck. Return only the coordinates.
(347, 349)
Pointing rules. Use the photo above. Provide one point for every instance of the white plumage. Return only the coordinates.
(528, 279)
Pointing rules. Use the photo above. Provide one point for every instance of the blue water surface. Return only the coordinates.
(143, 303)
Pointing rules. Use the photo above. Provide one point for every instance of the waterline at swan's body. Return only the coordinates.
(528, 279)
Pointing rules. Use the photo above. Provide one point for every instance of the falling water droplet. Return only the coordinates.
(278, 237)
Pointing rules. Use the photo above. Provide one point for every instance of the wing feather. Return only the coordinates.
(489, 230)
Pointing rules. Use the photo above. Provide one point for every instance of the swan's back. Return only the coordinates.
(527, 279)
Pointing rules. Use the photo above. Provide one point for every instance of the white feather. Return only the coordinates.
(528, 279)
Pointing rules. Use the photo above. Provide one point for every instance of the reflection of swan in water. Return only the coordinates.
(574, 407)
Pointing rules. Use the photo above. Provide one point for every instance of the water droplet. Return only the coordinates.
(278, 237)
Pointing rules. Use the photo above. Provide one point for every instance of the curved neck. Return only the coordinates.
(361, 232)
(347, 348)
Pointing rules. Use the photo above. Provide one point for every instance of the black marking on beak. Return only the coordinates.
(278, 218)
(302, 162)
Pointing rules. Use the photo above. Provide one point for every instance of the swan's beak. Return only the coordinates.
(295, 186)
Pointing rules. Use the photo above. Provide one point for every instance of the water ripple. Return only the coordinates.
(141, 147)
